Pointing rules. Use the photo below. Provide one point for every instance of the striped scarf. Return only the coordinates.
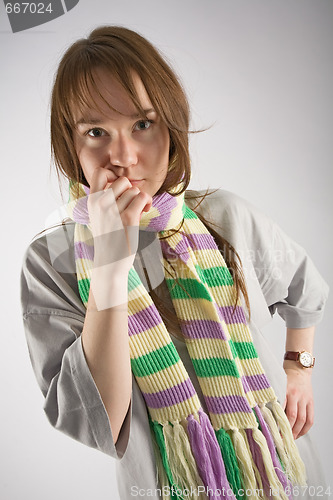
(244, 447)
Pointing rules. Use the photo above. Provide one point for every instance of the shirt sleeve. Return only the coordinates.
(53, 318)
(291, 284)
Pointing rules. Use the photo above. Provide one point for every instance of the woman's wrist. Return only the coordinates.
(292, 367)
(109, 285)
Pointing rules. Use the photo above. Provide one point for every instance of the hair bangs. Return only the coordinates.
(84, 90)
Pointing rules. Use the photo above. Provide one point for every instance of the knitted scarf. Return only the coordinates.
(243, 448)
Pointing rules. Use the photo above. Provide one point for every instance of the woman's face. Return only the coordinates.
(121, 141)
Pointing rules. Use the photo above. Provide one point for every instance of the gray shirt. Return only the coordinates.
(279, 275)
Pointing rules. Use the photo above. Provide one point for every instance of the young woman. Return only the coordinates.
(142, 312)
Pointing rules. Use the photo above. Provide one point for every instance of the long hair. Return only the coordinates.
(120, 51)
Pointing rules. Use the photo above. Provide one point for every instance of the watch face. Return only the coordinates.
(305, 359)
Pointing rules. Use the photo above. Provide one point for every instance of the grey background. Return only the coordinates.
(258, 71)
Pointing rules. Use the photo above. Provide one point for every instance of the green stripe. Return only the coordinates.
(245, 350)
(194, 288)
(153, 362)
(133, 280)
(189, 214)
(230, 463)
(84, 286)
(215, 276)
(215, 367)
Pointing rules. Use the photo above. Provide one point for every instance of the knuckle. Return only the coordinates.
(125, 181)
(293, 391)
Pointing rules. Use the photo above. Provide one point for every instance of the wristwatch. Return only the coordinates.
(304, 358)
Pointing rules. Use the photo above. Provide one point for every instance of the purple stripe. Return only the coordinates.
(140, 321)
(227, 315)
(202, 242)
(227, 404)
(181, 249)
(80, 211)
(83, 251)
(171, 396)
(202, 329)
(255, 382)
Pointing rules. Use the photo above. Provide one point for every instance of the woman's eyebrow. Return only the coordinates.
(97, 121)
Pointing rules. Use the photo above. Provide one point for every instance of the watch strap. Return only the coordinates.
(291, 355)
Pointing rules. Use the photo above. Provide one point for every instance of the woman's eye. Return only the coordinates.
(95, 132)
(143, 124)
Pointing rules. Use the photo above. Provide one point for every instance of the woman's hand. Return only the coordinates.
(115, 208)
(298, 404)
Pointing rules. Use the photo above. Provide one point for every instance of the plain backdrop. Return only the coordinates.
(258, 71)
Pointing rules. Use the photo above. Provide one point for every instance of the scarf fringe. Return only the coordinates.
(295, 467)
(182, 464)
(208, 456)
(278, 466)
(275, 433)
(260, 486)
(230, 462)
(245, 459)
(160, 471)
(263, 460)
(158, 430)
(219, 463)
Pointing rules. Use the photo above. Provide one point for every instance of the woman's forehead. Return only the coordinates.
(107, 94)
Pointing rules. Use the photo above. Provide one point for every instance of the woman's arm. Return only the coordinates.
(106, 347)
(298, 405)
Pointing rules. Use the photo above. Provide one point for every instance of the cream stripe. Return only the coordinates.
(211, 258)
(263, 395)
(137, 302)
(210, 348)
(149, 340)
(198, 309)
(251, 366)
(237, 420)
(83, 269)
(163, 379)
(223, 386)
(239, 334)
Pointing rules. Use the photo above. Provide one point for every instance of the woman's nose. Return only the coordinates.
(123, 152)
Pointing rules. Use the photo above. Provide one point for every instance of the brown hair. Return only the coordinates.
(121, 51)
